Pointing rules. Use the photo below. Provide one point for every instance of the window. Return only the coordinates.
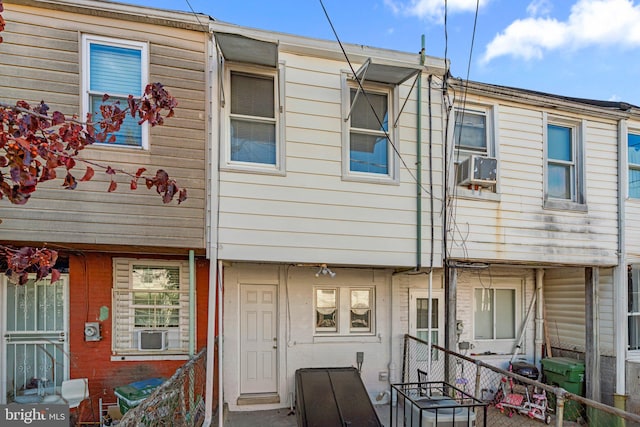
(561, 164)
(494, 314)
(564, 180)
(369, 124)
(368, 132)
(326, 310)
(117, 68)
(360, 320)
(344, 310)
(634, 307)
(150, 296)
(254, 135)
(633, 158)
(471, 133)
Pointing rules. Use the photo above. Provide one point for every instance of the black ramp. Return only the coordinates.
(333, 397)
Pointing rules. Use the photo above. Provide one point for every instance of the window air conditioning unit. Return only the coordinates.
(478, 170)
(153, 339)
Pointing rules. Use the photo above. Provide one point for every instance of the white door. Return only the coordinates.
(419, 315)
(34, 346)
(258, 339)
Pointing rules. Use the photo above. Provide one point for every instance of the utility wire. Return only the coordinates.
(451, 214)
(386, 133)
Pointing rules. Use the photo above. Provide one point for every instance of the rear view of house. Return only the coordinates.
(132, 300)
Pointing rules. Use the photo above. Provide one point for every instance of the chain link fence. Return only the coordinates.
(510, 398)
(178, 402)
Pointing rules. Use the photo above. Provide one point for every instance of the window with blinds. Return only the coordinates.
(117, 68)
(150, 296)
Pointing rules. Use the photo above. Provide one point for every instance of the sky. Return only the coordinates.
(579, 48)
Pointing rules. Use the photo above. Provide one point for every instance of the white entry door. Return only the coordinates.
(419, 315)
(258, 339)
(34, 350)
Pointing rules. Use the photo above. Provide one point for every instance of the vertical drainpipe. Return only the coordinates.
(620, 295)
(419, 167)
(539, 323)
(192, 303)
(213, 137)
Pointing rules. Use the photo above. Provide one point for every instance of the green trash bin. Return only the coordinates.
(567, 373)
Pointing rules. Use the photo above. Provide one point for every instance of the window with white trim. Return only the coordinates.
(118, 68)
(564, 181)
(472, 132)
(494, 314)
(254, 125)
(633, 312)
(344, 310)
(369, 134)
(473, 135)
(150, 307)
(633, 160)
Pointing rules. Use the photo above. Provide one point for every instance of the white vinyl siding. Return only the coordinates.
(517, 226)
(41, 54)
(311, 214)
(136, 307)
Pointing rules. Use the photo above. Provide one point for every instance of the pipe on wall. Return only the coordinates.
(192, 303)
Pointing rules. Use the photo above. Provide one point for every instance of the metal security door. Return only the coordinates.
(258, 339)
(34, 341)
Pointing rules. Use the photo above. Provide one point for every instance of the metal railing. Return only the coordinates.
(513, 399)
(178, 402)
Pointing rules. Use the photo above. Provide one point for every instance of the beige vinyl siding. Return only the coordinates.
(564, 298)
(310, 214)
(42, 60)
(564, 295)
(514, 225)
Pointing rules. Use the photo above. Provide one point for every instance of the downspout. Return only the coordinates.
(192, 303)
(419, 166)
(620, 295)
(539, 340)
(213, 100)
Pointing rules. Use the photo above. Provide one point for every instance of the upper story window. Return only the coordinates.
(150, 307)
(369, 134)
(369, 150)
(633, 159)
(561, 164)
(564, 169)
(474, 144)
(254, 137)
(472, 133)
(344, 310)
(118, 68)
(253, 118)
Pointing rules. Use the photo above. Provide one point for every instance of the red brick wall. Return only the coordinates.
(90, 278)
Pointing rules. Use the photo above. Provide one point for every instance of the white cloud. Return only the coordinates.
(590, 23)
(433, 9)
(539, 8)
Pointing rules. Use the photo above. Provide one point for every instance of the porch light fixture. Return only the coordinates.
(324, 270)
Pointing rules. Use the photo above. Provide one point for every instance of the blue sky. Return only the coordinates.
(581, 48)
